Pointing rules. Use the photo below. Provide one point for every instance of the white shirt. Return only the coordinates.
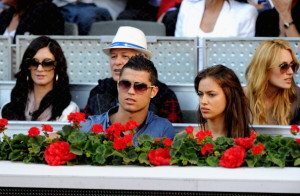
(235, 19)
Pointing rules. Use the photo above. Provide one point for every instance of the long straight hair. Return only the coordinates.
(257, 74)
(237, 118)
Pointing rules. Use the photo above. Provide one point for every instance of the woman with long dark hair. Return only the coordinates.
(223, 106)
(42, 87)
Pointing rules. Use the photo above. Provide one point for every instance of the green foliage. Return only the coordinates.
(186, 149)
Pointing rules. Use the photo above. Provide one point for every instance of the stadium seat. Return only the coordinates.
(111, 27)
(71, 28)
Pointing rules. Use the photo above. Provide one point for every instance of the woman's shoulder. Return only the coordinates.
(72, 107)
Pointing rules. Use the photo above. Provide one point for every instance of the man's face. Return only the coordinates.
(135, 99)
(118, 58)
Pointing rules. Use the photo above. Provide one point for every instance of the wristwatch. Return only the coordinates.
(286, 25)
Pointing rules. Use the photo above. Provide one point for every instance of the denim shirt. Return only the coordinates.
(154, 125)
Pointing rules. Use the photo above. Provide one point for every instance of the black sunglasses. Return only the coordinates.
(47, 64)
(138, 87)
(285, 66)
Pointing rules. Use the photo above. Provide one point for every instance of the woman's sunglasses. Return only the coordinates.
(284, 67)
(138, 87)
(47, 64)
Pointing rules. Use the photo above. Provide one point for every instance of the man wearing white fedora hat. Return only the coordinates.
(128, 42)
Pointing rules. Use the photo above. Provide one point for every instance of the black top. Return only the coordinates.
(105, 95)
(40, 18)
(267, 23)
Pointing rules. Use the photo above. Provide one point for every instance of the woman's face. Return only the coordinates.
(280, 77)
(212, 99)
(42, 68)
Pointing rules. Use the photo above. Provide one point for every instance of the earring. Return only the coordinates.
(27, 78)
(56, 77)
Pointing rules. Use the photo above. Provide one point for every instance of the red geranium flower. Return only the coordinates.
(114, 131)
(97, 128)
(189, 129)
(119, 144)
(58, 153)
(207, 149)
(123, 142)
(253, 135)
(295, 129)
(130, 125)
(233, 157)
(47, 128)
(76, 118)
(3, 124)
(258, 149)
(245, 142)
(297, 141)
(33, 131)
(201, 135)
(159, 156)
(167, 142)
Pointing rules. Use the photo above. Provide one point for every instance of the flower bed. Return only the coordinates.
(114, 146)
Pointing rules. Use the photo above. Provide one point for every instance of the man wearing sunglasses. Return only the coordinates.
(130, 41)
(136, 87)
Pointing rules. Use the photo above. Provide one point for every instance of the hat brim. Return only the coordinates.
(144, 51)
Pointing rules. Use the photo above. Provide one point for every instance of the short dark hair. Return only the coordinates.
(140, 63)
(237, 112)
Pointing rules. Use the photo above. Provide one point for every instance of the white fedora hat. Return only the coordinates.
(129, 37)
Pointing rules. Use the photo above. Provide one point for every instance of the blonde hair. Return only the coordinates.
(257, 74)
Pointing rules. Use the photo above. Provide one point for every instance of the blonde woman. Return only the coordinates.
(273, 95)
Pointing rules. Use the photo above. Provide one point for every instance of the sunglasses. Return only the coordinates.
(284, 67)
(138, 87)
(47, 64)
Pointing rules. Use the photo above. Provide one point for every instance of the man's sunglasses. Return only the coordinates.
(284, 67)
(138, 87)
(47, 64)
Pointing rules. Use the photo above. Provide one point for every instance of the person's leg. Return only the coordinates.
(169, 21)
(69, 12)
(90, 13)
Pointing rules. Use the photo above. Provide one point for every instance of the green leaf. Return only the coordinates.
(99, 159)
(16, 155)
(276, 161)
(250, 162)
(297, 162)
(77, 138)
(76, 150)
(212, 161)
(143, 159)
(145, 138)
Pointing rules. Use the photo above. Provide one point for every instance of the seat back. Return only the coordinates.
(71, 28)
(111, 27)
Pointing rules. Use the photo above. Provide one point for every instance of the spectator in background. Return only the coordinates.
(128, 42)
(281, 21)
(2, 6)
(37, 17)
(273, 95)
(83, 13)
(223, 106)
(137, 85)
(42, 88)
(167, 14)
(140, 10)
(215, 18)
(261, 5)
(115, 7)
